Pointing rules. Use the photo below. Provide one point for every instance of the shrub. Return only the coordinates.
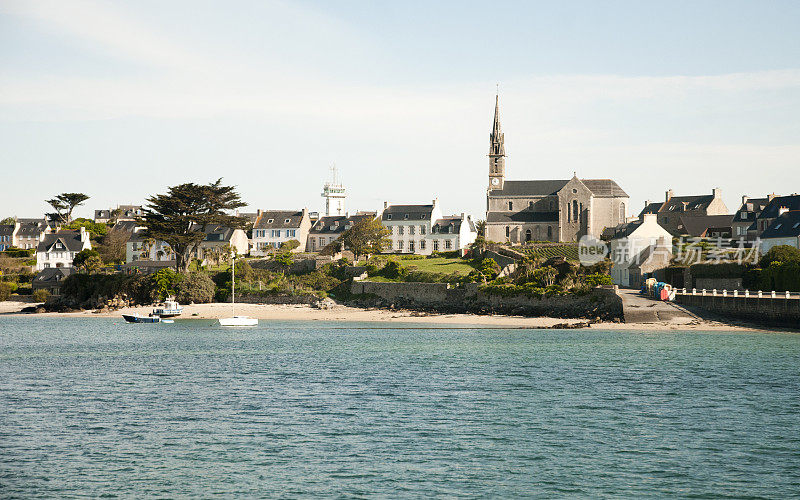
(165, 282)
(195, 287)
(40, 295)
(392, 270)
(597, 279)
(780, 253)
(781, 277)
(5, 291)
(288, 246)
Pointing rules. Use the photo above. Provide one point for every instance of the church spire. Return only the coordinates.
(497, 150)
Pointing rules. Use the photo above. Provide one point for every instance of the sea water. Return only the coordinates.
(97, 407)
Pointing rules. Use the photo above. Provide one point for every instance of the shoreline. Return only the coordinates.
(342, 313)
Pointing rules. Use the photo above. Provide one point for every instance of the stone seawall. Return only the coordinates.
(601, 303)
(779, 311)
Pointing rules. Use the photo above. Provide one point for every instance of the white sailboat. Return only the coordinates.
(236, 320)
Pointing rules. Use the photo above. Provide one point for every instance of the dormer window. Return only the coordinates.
(388, 216)
(405, 216)
(286, 221)
(796, 225)
(270, 221)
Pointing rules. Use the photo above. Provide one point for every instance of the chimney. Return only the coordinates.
(435, 201)
(744, 199)
(258, 213)
(385, 205)
(646, 203)
(770, 196)
(717, 192)
(782, 211)
(669, 194)
(463, 216)
(650, 219)
(84, 235)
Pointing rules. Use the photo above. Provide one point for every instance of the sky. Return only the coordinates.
(120, 100)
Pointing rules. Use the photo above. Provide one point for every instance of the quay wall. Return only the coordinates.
(778, 311)
(603, 303)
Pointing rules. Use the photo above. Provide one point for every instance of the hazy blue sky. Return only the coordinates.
(121, 99)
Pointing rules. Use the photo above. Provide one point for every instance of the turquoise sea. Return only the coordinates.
(94, 407)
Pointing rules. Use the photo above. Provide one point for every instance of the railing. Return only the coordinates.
(738, 293)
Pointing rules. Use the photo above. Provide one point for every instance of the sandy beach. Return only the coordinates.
(279, 312)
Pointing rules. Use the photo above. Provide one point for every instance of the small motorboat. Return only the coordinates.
(168, 321)
(168, 309)
(135, 318)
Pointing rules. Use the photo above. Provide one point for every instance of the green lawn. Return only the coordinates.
(439, 265)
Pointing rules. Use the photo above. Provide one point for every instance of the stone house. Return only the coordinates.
(51, 279)
(30, 232)
(777, 206)
(422, 229)
(674, 208)
(561, 210)
(275, 227)
(744, 218)
(59, 248)
(328, 229)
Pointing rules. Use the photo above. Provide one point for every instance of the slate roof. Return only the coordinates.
(679, 204)
(651, 208)
(787, 225)
(623, 230)
(125, 225)
(336, 224)
(71, 240)
(29, 228)
(278, 218)
(752, 206)
(523, 216)
(7, 229)
(414, 212)
(601, 188)
(52, 275)
(454, 222)
(771, 211)
(697, 225)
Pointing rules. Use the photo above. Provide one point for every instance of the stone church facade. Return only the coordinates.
(546, 210)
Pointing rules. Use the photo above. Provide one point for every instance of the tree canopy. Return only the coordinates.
(181, 216)
(366, 236)
(64, 204)
(780, 253)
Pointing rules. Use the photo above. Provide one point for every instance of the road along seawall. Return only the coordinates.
(766, 310)
(602, 303)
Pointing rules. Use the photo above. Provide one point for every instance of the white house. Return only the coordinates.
(422, 230)
(275, 227)
(639, 248)
(58, 249)
(785, 230)
(140, 248)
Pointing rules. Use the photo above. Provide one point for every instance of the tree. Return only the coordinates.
(112, 247)
(96, 230)
(365, 237)
(87, 260)
(64, 204)
(480, 226)
(284, 261)
(181, 216)
(8, 221)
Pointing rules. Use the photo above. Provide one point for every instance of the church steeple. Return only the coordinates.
(497, 150)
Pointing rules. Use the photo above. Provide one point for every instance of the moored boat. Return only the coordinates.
(168, 309)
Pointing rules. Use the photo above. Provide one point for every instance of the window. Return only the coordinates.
(270, 221)
(422, 230)
(400, 245)
(400, 230)
(388, 216)
(290, 233)
(286, 221)
(778, 225)
(549, 232)
(435, 245)
(622, 212)
(575, 212)
(574, 190)
(405, 216)
(411, 246)
(422, 244)
(276, 233)
(448, 244)
(796, 225)
(511, 205)
(508, 231)
(530, 205)
(412, 230)
(528, 235)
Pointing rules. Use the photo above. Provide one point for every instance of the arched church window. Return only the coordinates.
(508, 231)
(622, 212)
(575, 210)
(530, 205)
(549, 232)
(569, 212)
(511, 205)
(528, 235)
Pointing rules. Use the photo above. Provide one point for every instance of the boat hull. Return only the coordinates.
(132, 318)
(238, 321)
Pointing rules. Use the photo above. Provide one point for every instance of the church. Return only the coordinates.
(518, 212)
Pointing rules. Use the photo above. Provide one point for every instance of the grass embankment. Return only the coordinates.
(440, 265)
(569, 252)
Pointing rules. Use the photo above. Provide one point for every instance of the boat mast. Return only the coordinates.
(233, 283)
